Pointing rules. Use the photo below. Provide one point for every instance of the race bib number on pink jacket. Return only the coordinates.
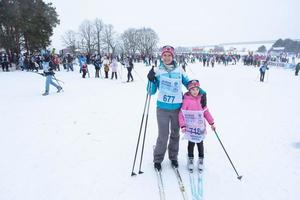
(195, 125)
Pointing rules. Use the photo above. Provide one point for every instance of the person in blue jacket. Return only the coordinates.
(82, 61)
(262, 71)
(49, 74)
(167, 79)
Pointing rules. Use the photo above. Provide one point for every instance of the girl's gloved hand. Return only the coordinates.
(183, 129)
(213, 127)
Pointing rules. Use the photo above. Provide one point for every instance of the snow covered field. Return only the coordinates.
(79, 144)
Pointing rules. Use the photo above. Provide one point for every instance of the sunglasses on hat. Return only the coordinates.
(168, 48)
(193, 81)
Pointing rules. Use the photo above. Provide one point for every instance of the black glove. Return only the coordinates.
(50, 73)
(151, 75)
(203, 101)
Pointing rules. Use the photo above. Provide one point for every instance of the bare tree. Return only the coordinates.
(99, 27)
(97, 36)
(147, 41)
(86, 31)
(70, 40)
(110, 39)
(130, 41)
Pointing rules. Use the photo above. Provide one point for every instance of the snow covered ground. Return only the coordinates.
(79, 144)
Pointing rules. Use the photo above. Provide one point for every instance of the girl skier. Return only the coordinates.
(192, 123)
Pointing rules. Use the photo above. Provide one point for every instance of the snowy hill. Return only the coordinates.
(79, 144)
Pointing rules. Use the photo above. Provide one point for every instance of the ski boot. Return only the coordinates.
(190, 164)
(157, 166)
(59, 89)
(174, 163)
(200, 165)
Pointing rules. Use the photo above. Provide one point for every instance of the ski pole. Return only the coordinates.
(58, 82)
(145, 130)
(138, 75)
(267, 75)
(238, 176)
(88, 71)
(138, 141)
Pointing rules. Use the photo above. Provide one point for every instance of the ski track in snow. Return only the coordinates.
(80, 144)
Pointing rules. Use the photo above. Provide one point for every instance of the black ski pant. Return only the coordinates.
(5, 66)
(106, 74)
(112, 75)
(97, 73)
(296, 72)
(191, 146)
(129, 75)
(83, 73)
(262, 76)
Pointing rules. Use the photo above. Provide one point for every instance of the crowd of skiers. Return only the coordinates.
(32, 62)
(208, 59)
(110, 65)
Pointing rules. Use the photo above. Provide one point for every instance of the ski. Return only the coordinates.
(200, 184)
(180, 183)
(160, 185)
(196, 188)
(192, 185)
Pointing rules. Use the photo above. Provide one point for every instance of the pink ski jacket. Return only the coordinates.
(193, 103)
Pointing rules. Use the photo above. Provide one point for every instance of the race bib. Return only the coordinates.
(195, 125)
(45, 66)
(170, 90)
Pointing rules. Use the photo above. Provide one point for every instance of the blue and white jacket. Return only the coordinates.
(168, 101)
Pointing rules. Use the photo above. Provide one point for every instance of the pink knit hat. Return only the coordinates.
(168, 49)
(193, 83)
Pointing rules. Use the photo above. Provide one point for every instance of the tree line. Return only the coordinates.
(288, 44)
(26, 25)
(96, 37)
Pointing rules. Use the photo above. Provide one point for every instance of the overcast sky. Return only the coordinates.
(187, 22)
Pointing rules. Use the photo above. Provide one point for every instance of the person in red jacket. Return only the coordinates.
(192, 117)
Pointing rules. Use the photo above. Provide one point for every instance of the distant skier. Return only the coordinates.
(106, 66)
(69, 62)
(83, 65)
(129, 66)
(263, 70)
(213, 60)
(114, 67)
(84, 70)
(98, 65)
(192, 123)
(82, 60)
(183, 63)
(49, 74)
(297, 69)
(4, 62)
